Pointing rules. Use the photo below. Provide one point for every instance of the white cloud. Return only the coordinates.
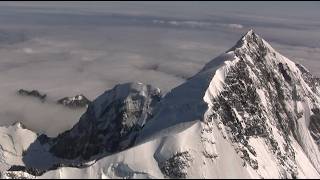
(186, 23)
(236, 26)
(28, 50)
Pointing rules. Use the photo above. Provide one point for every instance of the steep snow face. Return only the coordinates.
(14, 141)
(110, 123)
(20, 148)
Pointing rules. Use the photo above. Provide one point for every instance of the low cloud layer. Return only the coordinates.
(64, 49)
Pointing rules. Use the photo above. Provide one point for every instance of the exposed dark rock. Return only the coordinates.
(315, 110)
(284, 72)
(32, 171)
(177, 165)
(110, 124)
(314, 127)
(240, 95)
(125, 172)
(43, 139)
(78, 101)
(33, 93)
(310, 79)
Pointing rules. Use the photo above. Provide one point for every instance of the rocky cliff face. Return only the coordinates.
(266, 100)
(314, 84)
(110, 123)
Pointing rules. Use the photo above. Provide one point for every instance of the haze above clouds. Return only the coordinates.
(68, 48)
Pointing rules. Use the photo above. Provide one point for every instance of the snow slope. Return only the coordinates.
(247, 114)
(143, 160)
(14, 140)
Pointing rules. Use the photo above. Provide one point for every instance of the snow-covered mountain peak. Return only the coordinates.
(251, 43)
(249, 33)
(247, 38)
(256, 91)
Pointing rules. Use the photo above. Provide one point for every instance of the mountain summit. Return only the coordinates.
(249, 113)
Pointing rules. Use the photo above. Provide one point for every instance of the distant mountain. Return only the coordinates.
(249, 113)
(78, 101)
(32, 93)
